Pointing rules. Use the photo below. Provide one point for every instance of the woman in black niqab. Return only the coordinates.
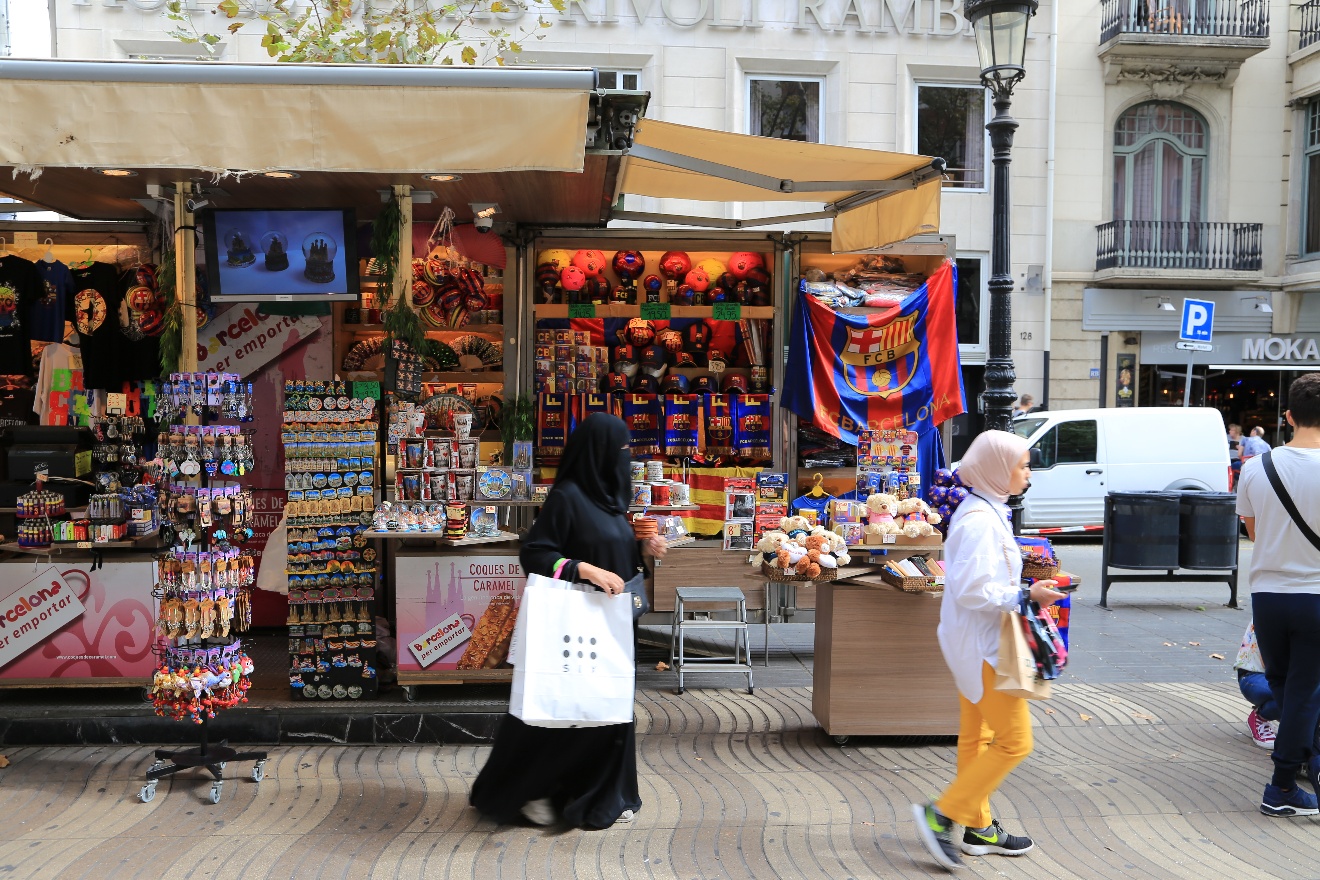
(585, 777)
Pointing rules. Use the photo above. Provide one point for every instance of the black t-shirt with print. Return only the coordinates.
(97, 291)
(140, 353)
(20, 288)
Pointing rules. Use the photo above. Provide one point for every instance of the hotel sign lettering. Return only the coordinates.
(937, 18)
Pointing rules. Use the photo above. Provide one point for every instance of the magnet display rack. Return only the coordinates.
(214, 397)
(331, 458)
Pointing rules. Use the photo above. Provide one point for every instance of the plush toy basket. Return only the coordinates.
(777, 574)
(1037, 571)
(912, 584)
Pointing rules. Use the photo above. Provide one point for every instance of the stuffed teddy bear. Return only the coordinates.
(882, 508)
(792, 525)
(909, 506)
(916, 527)
(837, 543)
(828, 561)
(816, 542)
(770, 544)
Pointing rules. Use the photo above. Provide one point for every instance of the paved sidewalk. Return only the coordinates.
(1143, 768)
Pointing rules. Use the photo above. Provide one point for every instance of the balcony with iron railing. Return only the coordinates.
(1174, 251)
(1202, 39)
(1308, 24)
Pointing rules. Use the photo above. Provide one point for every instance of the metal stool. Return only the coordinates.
(739, 661)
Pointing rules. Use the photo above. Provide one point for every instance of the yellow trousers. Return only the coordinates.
(994, 736)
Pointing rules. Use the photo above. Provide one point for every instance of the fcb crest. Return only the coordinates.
(880, 361)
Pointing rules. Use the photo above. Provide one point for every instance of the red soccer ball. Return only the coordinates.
(671, 339)
(743, 262)
(639, 332)
(572, 278)
(698, 280)
(592, 263)
(629, 265)
(675, 264)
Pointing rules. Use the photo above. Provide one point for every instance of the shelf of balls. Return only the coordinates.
(332, 643)
(623, 310)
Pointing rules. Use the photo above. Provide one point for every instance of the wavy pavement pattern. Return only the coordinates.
(1149, 780)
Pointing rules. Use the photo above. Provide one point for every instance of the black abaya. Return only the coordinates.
(589, 774)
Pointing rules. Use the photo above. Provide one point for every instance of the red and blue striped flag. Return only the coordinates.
(897, 368)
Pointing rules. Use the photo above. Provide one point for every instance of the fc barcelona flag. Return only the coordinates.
(896, 368)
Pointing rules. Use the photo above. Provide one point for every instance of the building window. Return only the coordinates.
(1160, 154)
(972, 278)
(790, 109)
(1311, 181)
(951, 126)
(626, 80)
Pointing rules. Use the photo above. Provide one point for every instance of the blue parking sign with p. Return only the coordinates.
(1198, 320)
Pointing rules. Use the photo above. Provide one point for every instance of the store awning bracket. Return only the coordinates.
(719, 222)
(782, 184)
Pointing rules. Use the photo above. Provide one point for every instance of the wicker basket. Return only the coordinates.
(777, 574)
(1036, 571)
(911, 584)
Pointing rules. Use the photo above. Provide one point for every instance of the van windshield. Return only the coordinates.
(1027, 426)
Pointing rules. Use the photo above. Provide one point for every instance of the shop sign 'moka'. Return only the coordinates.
(1280, 348)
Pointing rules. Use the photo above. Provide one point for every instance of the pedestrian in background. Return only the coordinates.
(585, 777)
(983, 579)
(1235, 451)
(1255, 444)
(1024, 405)
(1279, 501)
(1263, 720)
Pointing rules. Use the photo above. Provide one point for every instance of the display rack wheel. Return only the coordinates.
(750, 689)
(148, 792)
(156, 766)
(678, 690)
(410, 692)
(841, 740)
(215, 793)
(146, 694)
(259, 771)
(222, 765)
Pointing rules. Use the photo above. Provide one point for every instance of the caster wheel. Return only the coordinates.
(678, 690)
(410, 693)
(258, 772)
(156, 766)
(147, 793)
(841, 740)
(215, 794)
(146, 695)
(751, 690)
(222, 765)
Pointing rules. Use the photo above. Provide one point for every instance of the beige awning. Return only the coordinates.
(264, 117)
(875, 197)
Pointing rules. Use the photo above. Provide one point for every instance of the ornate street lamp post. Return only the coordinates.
(1000, 27)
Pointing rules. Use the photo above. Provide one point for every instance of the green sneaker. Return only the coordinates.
(936, 832)
(994, 840)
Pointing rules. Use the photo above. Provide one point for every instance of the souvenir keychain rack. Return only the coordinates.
(212, 664)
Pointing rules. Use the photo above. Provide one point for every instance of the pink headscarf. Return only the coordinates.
(989, 462)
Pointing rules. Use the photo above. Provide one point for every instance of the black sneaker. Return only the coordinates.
(936, 832)
(995, 841)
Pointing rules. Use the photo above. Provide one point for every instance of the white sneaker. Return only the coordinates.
(624, 818)
(540, 812)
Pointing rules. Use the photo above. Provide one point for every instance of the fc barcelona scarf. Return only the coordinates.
(682, 421)
(751, 431)
(642, 414)
(719, 426)
(591, 403)
(552, 423)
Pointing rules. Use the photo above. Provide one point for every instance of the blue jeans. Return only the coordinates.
(1256, 689)
(1288, 635)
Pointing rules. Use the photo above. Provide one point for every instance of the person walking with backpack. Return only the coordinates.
(1279, 501)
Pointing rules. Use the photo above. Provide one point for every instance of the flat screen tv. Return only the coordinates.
(281, 255)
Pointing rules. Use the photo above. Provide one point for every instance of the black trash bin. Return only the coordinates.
(1208, 531)
(1142, 529)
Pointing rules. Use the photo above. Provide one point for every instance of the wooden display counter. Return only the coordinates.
(878, 669)
(705, 563)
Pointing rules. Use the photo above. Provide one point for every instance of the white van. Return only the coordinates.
(1083, 454)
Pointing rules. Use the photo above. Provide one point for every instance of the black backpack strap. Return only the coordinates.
(1286, 500)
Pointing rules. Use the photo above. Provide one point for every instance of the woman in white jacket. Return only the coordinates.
(984, 570)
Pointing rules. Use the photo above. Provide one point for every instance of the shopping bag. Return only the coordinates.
(574, 663)
(1015, 671)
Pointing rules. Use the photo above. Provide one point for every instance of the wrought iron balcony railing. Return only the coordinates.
(1172, 244)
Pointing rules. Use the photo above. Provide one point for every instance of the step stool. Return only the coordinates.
(739, 661)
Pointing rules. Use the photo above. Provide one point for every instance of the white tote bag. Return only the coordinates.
(573, 657)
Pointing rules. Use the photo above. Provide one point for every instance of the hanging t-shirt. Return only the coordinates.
(20, 287)
(55, 305)
(53, 357)
(97, 292)
(140, 353)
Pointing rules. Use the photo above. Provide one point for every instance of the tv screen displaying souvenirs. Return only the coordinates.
(256, 255)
